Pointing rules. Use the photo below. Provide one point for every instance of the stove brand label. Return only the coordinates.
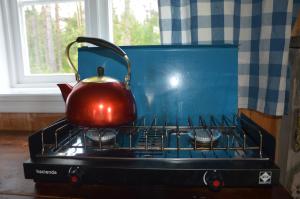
(265, 177)
(46, 172)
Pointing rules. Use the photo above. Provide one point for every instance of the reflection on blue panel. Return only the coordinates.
(173, 81)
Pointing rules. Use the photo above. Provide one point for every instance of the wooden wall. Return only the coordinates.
(27, 121)
(296, 27)
(269, 123)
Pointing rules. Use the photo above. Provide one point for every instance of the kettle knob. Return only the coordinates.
(100, 71)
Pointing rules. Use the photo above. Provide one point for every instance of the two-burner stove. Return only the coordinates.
(213, 151)
(188, 94)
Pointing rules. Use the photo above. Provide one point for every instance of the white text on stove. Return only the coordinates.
(52, 172)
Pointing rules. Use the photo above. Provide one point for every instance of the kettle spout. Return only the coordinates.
(65, 90)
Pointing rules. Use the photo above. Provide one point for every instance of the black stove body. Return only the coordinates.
(152, 154)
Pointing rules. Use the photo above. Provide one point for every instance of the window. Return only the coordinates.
(48, 28)
(135, 22)
(39, 31)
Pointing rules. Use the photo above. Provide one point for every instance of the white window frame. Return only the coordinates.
(98, 24)
(39, 93)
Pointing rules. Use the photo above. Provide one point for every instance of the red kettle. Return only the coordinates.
(99, 101)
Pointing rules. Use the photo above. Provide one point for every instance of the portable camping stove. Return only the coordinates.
(235, 152)
(170, 143)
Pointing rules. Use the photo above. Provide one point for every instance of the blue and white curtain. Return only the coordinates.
(261, 28)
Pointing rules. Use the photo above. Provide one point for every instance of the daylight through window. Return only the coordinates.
(47, 27)
(135, 22)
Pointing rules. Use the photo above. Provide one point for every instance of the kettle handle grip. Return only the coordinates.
(100, 43)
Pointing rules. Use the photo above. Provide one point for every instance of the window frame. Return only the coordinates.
(97, 14)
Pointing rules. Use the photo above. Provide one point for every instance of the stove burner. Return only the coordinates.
(205, 136)
(107, 135)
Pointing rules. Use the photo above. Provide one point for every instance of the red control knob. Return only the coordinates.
(74, 179)
(213, 180)
(216, 183)
(75, 175)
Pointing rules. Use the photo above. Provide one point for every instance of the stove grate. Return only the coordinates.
(159, 140)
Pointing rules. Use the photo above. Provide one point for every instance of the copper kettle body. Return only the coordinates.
(99, 101)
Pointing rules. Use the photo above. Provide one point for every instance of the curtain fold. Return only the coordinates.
(261, 28)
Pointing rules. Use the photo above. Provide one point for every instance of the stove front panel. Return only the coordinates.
(229, 174)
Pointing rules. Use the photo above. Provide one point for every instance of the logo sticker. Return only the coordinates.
(46, 172)
(265, 177)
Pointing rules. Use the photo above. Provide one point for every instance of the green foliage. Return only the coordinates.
(63, 31)
(127, 30)
(48, 35)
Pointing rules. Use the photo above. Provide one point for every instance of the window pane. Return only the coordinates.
(49, 28)
(135, 22)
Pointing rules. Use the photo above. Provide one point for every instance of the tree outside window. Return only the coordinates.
(50, 27)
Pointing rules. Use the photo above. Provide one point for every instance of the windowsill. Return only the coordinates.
(30, 91)
(31, 100)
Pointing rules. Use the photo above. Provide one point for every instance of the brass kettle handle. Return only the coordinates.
(100, 43)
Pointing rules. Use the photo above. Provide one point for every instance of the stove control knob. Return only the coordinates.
(75, 175)
(213, 180)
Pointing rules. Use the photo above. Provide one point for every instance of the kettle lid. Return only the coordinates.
(100, 78)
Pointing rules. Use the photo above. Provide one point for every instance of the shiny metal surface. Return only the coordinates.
(99, 80)
(105, 135)
(67, 54)
(99, 104)
(204, 135)
(104, 44)
(99, 101)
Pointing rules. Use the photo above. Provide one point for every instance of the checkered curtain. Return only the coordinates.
(261, 28)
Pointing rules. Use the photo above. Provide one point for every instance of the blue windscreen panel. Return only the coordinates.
(172, 82)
